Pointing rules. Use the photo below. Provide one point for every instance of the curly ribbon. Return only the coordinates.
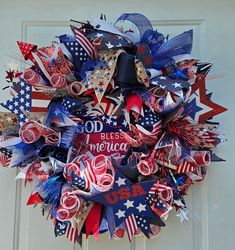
(164, 199)
(201, 158)
(31, 131)
(74, 88)
(118, 233)
(147, 167)
(33, 78)
(35, 170)
(199, 174)
(69, 204)
(155, 231)
(58, 80)
(98, 172)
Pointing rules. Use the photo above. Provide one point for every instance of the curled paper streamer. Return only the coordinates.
(69, 205)
(31, 131)
(58, 80)
(98, 172)
(74, 88)
(201, 158)
(34, 78)
(147, 167)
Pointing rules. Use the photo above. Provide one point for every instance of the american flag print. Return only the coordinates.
(5, 157)
(40, 101)
(21, 103)
(131, 226)
(85, 43)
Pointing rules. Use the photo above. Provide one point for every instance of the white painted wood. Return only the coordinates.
(212, 223)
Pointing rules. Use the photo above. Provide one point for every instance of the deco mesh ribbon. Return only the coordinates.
(124, 127)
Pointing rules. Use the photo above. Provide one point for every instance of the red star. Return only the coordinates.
(146, 80)
(200, 85)
(112, 38)
(18, 74)
(10, 75)
(148, 60)
(14, 120)
(101, 84)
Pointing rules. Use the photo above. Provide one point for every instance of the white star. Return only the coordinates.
(27, 88)
(176, 85)
(162, 77)
(141, 207)
(22, 92)
(27, 96)
(8, 119)
(98, 35)
(108, 121)
(154, 82)
(120, 214)
(182, 215)
(162, 87)
(121, 98)
(129, 204)
(124, 123)
(12, 65)
(119, 45)
(22, 84)
(109, 45)
(120, 181)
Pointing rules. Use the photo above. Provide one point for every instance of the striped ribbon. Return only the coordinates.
(85, 43)
(31, 131)
(98, 172)
(131, 226)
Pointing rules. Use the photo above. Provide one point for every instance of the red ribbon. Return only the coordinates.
(58, 80)
(93, 221)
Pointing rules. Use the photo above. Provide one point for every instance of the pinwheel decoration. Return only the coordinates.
(114, 126)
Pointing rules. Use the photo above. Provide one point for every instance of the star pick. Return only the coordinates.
(210, 109)
(126, 198)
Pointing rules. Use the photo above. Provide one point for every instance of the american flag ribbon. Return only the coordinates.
(40, 101)
(5, 157)
(71, 232)
(85, 43)
(131, 226)
(183, 167)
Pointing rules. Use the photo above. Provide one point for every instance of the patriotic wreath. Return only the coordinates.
(114, 127)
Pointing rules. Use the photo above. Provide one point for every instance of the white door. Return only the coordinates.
(211, 204)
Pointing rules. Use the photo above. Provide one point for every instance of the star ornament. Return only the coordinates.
(210, 109)
(126, 198)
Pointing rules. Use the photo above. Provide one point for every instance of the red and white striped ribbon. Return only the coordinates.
(85, 43)
(98, 172)
(31, 131)
(69, 204)
(131, 226)
(71, 232)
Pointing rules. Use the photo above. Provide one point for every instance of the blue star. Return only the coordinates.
(191, 109)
